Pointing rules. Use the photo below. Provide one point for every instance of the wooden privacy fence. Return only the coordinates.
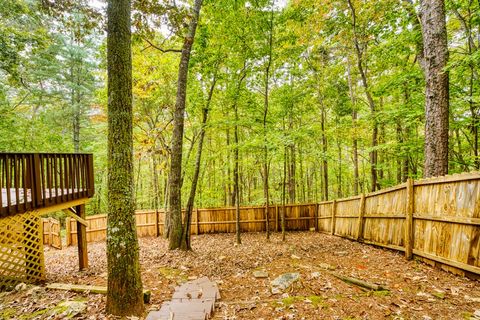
(51, 232)
(213, 220)
(436, 219)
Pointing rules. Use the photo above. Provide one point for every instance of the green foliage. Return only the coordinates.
(49, 52)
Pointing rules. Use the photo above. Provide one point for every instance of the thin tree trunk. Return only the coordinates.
(236, 157)
(359, 52)
(356, 176)
(125, 290)
(186, 241)
(434, 33)
(236, 187)
(291, 173)
(265, 114)
(323, 116)
(285, 152)
(175, 177)
(156, 196)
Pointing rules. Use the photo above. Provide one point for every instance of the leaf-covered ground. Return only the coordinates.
(417, 291)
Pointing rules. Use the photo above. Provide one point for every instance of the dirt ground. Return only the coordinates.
(417, 291)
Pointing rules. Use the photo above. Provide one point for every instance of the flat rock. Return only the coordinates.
(476, 315)
(284, 281)
(21, 287)
(260, 274)
(71, 308)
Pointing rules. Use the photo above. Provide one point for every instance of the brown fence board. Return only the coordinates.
(445, 223)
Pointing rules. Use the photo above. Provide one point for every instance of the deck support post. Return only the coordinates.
(82, 239)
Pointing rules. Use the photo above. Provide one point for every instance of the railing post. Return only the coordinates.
(91, 177)
(361, 220)
(410, 208)
(334, 218)
(37, 197)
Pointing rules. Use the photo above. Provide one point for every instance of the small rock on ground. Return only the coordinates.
(71, 308)
(284, 281)
(260, 274)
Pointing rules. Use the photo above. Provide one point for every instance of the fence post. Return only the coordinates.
(315, 215)
(334, 218)
(157, 227)
(50, 227)
(198, 222)
(409, 219)
(67, 231)
(276, 218)
(361, 220)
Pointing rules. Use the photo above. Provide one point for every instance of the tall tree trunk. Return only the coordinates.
(339, 177)
(400, 157)
(231, 194)
(236, 157)
(266, 191)
(359, 52)
(356, 176)
(236, 187)
(292, 172)
(156, 192)
(124, 295)
(323, 117)
(285, 152)
(175, 177)
(434, 33)
(186, 243)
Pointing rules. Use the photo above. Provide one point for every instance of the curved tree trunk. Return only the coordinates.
(186, 243)
(175, 177)
(124, 295)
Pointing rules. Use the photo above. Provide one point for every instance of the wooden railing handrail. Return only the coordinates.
(30, 181)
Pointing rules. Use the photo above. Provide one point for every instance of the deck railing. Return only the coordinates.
(31, 181)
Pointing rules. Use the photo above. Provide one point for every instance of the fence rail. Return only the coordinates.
(30, 181)
(435, 219)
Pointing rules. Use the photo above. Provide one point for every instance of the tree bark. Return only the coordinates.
(175, 177)
(359, 52)
(285, 152)
(434, 33)
(186, 243)
(356, 176)
(236, 157)
(125, 296)
(323, 117)
(266, 191)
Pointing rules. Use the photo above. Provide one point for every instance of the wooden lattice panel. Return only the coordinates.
(21, 250)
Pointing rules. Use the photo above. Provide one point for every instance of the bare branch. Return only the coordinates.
(151, 45)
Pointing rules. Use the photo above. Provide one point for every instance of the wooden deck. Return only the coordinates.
(31, 181)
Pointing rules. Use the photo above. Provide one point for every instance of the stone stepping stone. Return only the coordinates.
(194, 300)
